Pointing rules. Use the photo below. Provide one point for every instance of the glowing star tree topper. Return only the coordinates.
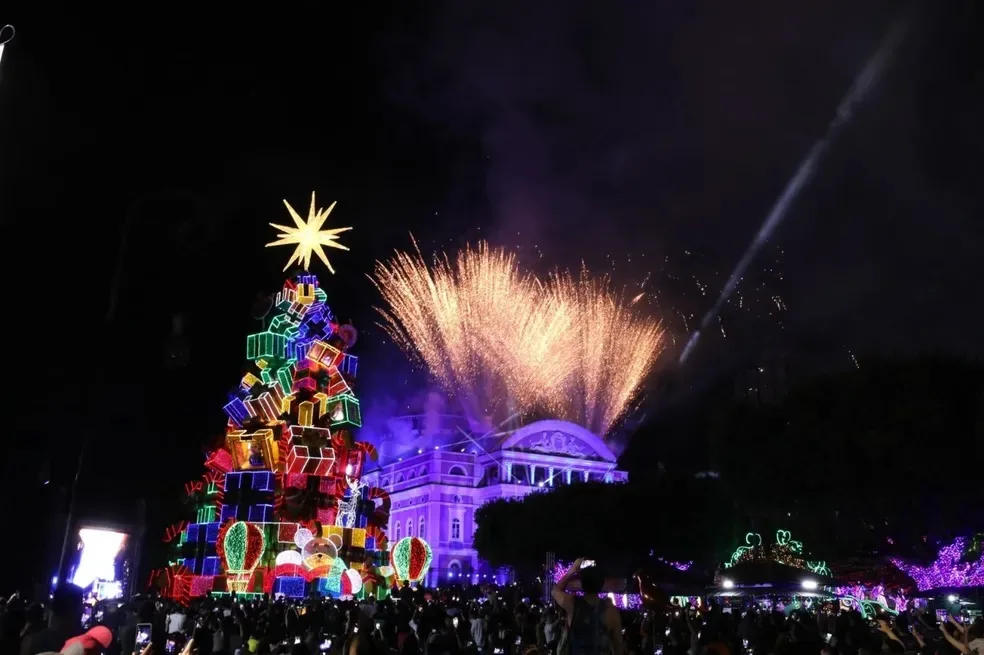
(309, 237)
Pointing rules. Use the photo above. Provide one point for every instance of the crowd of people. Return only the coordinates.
(498, 621)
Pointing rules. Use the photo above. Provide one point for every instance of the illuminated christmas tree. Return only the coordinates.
(281, 507)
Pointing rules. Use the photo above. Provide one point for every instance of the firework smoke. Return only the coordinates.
(503, 341)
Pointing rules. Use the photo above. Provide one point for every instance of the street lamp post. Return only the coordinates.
(7, 33)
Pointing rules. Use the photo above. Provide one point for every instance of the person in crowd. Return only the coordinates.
(176, 619)
(594, 625)
(64, 622)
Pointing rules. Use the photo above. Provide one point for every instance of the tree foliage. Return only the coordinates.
(868, 460)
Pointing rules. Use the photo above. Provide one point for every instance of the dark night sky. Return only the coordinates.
(626, 134)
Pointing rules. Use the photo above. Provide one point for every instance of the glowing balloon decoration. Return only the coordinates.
(351, 582)
(240, 545)
(411, 557)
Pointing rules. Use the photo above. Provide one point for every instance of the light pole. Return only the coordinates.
(7, 33)
(95, 384)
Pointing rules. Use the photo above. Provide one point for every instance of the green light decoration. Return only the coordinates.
(410, 558)
(785, 550)
(869, 609)
(235, 547)
(242, 545)
(333, 581)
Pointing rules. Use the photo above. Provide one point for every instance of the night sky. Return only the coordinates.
(647, 139)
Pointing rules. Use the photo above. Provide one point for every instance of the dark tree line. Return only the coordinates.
(882, 459)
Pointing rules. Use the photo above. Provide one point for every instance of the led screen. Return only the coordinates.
(97, 561)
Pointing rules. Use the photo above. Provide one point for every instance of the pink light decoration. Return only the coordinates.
(898, 601)
(948, 570)
(679, 566)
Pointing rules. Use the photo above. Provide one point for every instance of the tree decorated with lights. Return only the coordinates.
(956, 565)
(281, 507)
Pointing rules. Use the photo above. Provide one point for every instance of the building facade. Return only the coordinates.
(438, 474)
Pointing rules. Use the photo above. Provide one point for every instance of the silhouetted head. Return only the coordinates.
(591, 580)
(66, 602)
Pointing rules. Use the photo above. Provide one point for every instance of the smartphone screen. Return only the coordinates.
(454, 621)
(325, 645)
(941, 616)
(587, 563)
(170, 646)
(144, 633)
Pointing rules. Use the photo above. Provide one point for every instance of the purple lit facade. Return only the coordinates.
(949, 569)
(438, 473)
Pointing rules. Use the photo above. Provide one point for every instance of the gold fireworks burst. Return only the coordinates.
(496, 337)
(308, 237)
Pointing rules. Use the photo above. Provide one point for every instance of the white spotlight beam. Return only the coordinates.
(7, 33)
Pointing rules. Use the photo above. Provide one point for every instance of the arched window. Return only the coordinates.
(409, 527)
(423, 471)
(456, 470)
(396, 533)
(411, 475)
(454, 569)
(386, 482)
(399, 478)
(422, 528)
(455, 529)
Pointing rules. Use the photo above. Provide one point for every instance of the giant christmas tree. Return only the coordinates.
(281, 508)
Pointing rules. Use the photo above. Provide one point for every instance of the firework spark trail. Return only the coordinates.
(866, 79)
(494, 336)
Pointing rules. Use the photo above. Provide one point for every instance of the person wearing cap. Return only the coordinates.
(93, 642)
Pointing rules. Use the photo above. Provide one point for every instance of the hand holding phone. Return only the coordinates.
(588, 563)
(145, 633)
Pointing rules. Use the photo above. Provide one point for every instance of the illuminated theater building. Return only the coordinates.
(438, 473)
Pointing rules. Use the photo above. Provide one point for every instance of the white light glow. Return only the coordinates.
(951, 598)
(98, 560)
(728, 584)
(810, 585)
(6, 34)
(289, 557)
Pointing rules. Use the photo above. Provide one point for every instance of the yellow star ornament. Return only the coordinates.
(308, 237)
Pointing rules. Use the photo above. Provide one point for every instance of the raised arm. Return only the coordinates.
(559, 591)
(613, 621)
(956, 643)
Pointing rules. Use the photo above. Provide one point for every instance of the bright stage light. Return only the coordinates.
(810, 585)
(98, 560)
(728, 584)
(7, 33)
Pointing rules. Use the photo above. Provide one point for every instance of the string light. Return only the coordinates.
(411, 557)
(288, 454)
(785, 550)
(948, 570)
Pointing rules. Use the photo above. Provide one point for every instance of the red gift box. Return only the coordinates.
(309, 451)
